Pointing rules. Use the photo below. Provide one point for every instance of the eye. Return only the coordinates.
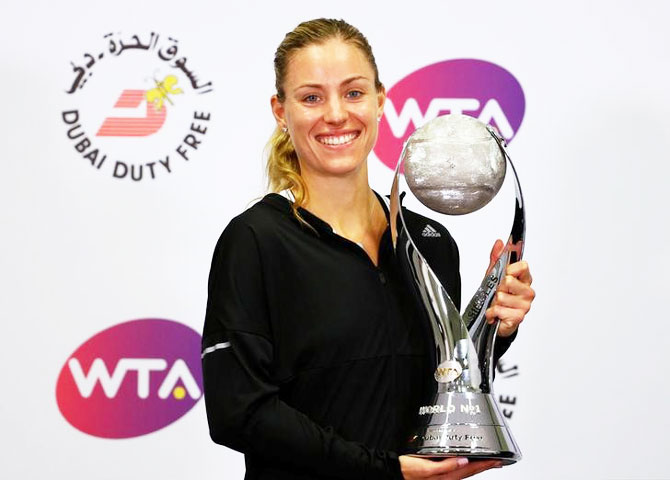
(354, 94)
(312, 98)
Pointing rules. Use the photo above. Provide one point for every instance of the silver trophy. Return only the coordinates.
(456, 164)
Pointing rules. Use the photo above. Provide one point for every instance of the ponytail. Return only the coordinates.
(283, 170)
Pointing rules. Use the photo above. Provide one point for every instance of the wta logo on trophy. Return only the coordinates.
(131, 379)
(476, 88)
(136, 107)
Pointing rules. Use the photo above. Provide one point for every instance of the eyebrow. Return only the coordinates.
(317, 85)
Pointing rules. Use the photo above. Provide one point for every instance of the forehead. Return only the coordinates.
(327, 63)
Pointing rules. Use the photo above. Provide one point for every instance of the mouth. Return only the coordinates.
(342, 139)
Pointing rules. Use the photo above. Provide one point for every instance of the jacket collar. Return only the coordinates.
(283, 204)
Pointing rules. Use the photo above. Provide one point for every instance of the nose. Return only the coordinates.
(336, 112)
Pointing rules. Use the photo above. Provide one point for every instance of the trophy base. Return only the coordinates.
(464, 425)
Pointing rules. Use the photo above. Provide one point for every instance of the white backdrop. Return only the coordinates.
(83, 251)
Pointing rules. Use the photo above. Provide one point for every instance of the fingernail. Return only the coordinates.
(462, 462)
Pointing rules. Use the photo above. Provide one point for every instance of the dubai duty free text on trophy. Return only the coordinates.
(455, 165)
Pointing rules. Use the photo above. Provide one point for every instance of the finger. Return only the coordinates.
(477, 467)
(509, 300)
(448, 465)
(510, 319)
(521, 271)
(496, 251)
(510, 316)
(509, 322)
(507, 329)
(490, 314)
(514, 310)
(513, 285)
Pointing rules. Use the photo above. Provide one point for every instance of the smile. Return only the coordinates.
(337, 139)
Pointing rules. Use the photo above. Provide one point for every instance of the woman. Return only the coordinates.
(313, 360)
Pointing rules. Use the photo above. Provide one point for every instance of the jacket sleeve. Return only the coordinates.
(243, 406)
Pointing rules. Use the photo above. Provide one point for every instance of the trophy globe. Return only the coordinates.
(453, 164)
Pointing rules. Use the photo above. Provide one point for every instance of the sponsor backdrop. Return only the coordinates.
(132, 132)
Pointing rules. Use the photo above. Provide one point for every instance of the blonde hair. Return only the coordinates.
(283, 168)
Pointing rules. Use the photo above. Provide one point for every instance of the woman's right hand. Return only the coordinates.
(415, 468)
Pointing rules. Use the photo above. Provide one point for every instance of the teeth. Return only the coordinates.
(338, 140)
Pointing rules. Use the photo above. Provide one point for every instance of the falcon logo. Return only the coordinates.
(137, 109)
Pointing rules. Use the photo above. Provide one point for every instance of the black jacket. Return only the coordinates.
(314, 359)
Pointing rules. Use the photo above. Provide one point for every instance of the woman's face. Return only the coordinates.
(331, 108)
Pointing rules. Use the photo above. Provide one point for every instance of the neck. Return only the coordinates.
(347, 204)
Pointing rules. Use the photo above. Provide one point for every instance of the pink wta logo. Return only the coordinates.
(471, 87)
(131, 379)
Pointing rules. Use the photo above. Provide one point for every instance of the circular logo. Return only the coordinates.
(136, 107)
(472, 87)
(448, 371)
(131, 379)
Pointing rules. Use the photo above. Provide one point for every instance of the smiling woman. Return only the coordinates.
(330, 109)
(314, 358)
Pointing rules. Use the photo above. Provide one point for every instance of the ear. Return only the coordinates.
(381, 100)
(278, 112)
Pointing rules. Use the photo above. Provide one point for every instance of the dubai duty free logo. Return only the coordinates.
(136, 107)
(472, 87)
(131, 379)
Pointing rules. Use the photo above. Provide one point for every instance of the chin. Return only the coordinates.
(345, 170)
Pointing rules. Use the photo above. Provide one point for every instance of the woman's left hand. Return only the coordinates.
(514, 296)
